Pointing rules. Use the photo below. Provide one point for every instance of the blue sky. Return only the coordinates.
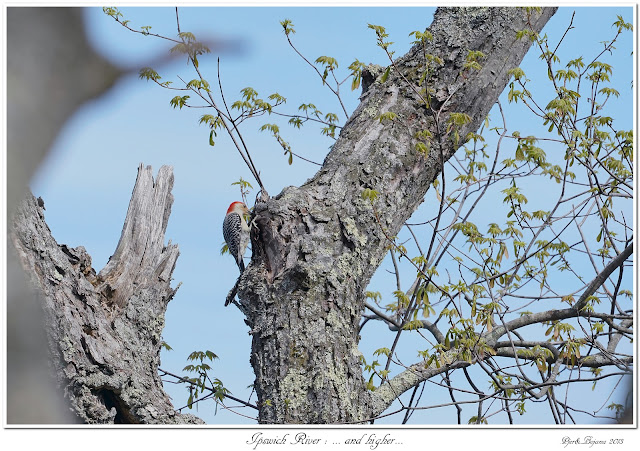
(134, 123)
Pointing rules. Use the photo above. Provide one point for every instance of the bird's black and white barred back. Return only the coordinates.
(236, 232)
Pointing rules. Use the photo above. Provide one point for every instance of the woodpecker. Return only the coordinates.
(236, 232)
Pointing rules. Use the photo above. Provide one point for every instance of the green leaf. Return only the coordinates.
(211, 141)
(149, 74)
(388, 116)
(328, 61)
(385, 75)
(421, 37)
(382, 351)
(459, 119)
(296, 122)
(179, 101)
(187, 36)
(208, 118)
(422, 148)
(287, 25)
(380, 30)
(369, 194)
(180, 48)
(517, 73)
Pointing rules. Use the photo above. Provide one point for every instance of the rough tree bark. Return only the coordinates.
(104, 330)
(316, 246)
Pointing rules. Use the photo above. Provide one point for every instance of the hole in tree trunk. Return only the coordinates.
(111, 400)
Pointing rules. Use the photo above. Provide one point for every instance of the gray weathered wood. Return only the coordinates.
(141, 257)
(104, 331)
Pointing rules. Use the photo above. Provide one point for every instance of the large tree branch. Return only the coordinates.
(598, 360)
(571, 312)
(414, 375)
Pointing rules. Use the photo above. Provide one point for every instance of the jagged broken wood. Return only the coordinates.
(104, 331)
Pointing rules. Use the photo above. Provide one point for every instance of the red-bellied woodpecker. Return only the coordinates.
(236, 232)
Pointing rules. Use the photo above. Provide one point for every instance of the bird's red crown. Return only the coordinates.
(233, 206)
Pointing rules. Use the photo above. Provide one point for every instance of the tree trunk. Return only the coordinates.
(104, 331)
(316, 247)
